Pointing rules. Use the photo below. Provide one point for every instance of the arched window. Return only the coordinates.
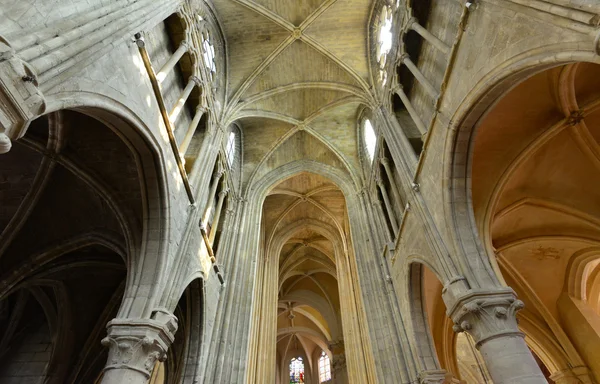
(384, 40)
(324, 368)
(370, 138)
(230, 149)
(208, 52)
(296, 370)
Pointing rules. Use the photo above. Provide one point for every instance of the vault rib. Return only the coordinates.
(265, 63)
(320, 85)
(266, 13)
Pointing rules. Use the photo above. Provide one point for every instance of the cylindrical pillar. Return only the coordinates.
(411, 111)
(176, 111)
(174, 59)
(191, 129)
(390, 175)
(388, 207)
(489, 316)
(211, 193)
(429, 88)
(217, 216)
(439, 44)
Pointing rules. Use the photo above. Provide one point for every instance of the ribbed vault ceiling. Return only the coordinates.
(297, 73)
(305, 227)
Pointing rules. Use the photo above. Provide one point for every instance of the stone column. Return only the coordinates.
(390, 175)
(217, 216)
(429, 88)
(200, 110)
(411, 111)
(135, 345)
(388, 207)
(174, 59)
(213, 190)
(489, 316)
(176, 111)
(439, 44)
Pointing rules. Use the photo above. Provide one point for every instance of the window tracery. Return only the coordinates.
(230, 149)
(324, 368)
(296, 370)
(208, 52)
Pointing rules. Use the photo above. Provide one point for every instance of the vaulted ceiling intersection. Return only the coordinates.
(298, 71)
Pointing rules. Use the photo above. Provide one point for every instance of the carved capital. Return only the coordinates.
(486, 314)
(338, 364)
(437, 377)
(196, 80)
(224, 192)
(137, 344)
(20, 99)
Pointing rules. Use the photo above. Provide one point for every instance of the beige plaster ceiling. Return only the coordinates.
(298, 72)
(536, 178)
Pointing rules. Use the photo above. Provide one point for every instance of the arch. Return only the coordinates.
(153, 178)
(487, 93)
(185, 361)
(578, 271)
(422, 336)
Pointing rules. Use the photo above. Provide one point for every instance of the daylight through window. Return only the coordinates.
(324, 368)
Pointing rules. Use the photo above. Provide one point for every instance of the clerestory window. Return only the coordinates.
(230, 149)
(208, 52)
(370, 138)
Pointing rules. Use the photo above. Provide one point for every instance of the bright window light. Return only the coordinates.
(230, 149)
(385, 34)
(370, 139)
(296, 371)
(208, 53)
(324, 368)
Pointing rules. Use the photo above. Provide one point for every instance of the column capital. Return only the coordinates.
(185, 44)
(384, 161)
(437, 377)
(137, 344)
(224, 192)
(196, 80)
(338, 364)
(218, 174)
(485, 313)
(411, 21)
(402, 56)
(20, 99)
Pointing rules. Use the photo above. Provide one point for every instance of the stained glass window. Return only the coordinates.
(296, 371)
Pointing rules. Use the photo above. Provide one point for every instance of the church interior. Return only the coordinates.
(299, 191)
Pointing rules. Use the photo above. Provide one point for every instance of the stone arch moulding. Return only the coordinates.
(256, 195)
(423, 340)
(150, 253)
(472, 248)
